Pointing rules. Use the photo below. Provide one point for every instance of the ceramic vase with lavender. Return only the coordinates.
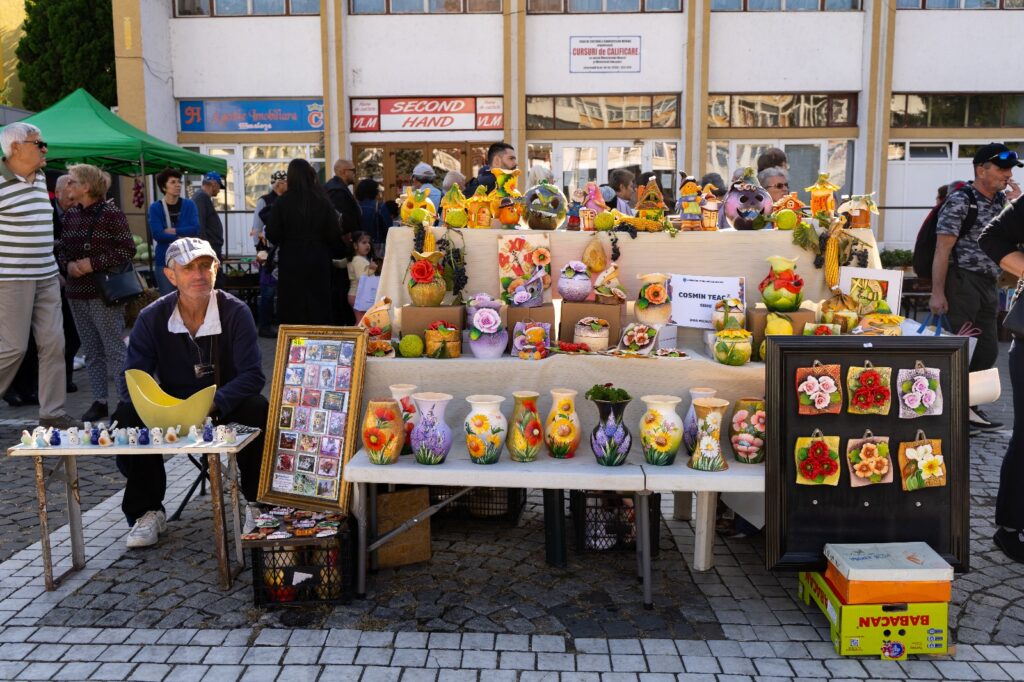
(487, 337)
(690, 421)
(431, 438)
(486, 428)
(410, 417)
(562, 431)
(610, 440)
(574, 282)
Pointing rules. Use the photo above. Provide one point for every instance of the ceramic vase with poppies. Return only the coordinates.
(410, 417)
(383, 431)
(431, 438)
(525, 431)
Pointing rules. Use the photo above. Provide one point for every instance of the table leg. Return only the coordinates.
(220, 540)
(44, 523)
(371, 521)
(554, 528)
(361, 506)
(74, 512)
(682, 505)
(704, 531)
(643, 531)
(235, 511)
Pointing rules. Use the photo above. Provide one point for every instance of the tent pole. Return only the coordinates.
(145, 211)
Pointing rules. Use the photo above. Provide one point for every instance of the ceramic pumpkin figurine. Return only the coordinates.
(478, 208)
(417, 208)
(651, 203)
(745, 201)
(453, 208)
(822, 195)
(508, 212)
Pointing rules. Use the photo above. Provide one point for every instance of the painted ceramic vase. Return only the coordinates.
(431, 438)
(610, 440)
(652, 304)
(562, 429)
(486, 428)
(410, 417)
(707, 456)
(746, 430)
(574, 282)
(525, 432)
(489, 346)
(383, 431)
(690, 421)
(426, 282)
(661, 429)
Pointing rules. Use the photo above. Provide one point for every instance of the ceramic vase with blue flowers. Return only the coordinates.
(432, 437)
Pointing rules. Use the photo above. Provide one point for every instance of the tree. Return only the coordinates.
(68, 44)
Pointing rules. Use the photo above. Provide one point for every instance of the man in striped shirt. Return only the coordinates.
(29, 285)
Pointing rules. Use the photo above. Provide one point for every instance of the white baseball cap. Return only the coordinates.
(187, 249)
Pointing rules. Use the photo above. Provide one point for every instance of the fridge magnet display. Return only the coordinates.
(317, 376)
(869, 389)
(817, 389)
(919, 392)
(921, 463)
(518, 256)
(868, 460)
(817, 459)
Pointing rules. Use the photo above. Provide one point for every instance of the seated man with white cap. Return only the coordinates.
(422, 179)
(189, 339)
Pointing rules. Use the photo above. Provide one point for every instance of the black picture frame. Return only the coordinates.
(800, 519)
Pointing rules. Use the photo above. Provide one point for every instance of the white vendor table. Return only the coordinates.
(67, 455)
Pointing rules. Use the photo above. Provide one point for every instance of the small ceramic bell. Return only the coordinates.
(73, 437)
(55, 437)
(156, 436)
(104, 439)
(144, 436)
(133, 436)
(193, 434)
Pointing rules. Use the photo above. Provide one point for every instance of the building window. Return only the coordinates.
(991, 110)
(244, 8)
(959, 4)
(786, 5)
(425, 6)
(801, 110)
(259, 162)
(590, 112)
(601, 6)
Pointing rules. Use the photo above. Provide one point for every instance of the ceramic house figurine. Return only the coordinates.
(822, 195)
(651, 203)
(710, 205)
(478, 208)
(453, 208)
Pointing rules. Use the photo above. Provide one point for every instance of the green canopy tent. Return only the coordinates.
(79, 129)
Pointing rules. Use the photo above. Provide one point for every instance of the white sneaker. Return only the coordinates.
(79, 362)
(147, 529)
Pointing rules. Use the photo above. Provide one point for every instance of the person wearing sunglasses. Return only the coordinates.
(776, 181)
(963, 275)
(29, 284)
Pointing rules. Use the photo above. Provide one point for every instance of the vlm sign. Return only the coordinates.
(251, 115)
(427, 113)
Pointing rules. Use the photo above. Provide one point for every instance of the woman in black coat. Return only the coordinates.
(304, 226)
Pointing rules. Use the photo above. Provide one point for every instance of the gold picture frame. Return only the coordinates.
(313, 428)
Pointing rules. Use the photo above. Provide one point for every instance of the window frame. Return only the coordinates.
(643, 9)
(213, 12)
(965, 125)
(626, 112)
(830, 109)
(464, 9)
(921, 5)
(822, 7)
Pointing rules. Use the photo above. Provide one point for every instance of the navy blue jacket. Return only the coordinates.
(171, 358)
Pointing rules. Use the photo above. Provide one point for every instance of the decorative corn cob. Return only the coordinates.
(831, 268)
(430, 242)
(641, 224)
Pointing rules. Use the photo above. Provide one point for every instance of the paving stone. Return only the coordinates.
(506, 642)
(453, 675)
(625, 646)
(413, 640)
(733, 665)
(153, 653)
(373, 656)
(188, 654)
(580, 677)
(665, 663)
(301, 655)
(588, 645)
(418, 675)
(538, 676)
(549, 661)
(989, 671)
(150, 672)
(480, 659)
(261, 673)
(224, 655)
(109, 671)
(40, 671)
(443, 658)
(478, 640)
(223, 673)
(338, 656)
(701, 664)
(593, 663)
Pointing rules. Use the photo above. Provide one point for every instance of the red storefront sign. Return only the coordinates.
(427, 113)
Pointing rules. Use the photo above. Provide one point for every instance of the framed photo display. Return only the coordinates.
(888, 464)
(312, 431)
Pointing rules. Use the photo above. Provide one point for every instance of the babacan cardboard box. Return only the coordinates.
(890, 631)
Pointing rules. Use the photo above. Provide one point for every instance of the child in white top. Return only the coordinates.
(358, 266)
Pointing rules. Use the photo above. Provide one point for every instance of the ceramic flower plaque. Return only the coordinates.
(868, 460)
(921, 463)
(530, 340)
(818, 390)
(919, 392)
(519, 256)
(817, 459)
(639, 338)
(869, 389)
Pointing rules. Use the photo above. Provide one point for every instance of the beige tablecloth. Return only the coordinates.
(726, 254)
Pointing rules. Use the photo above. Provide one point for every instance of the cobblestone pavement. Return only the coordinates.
(485, 607)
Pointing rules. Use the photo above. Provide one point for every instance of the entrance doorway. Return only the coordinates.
(574, 164)
(391, 164)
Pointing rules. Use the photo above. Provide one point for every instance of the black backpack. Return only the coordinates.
(924, 246)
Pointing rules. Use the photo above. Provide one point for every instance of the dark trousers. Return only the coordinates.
(147, 480)
(1009, 502)
(973, 298)
(266, 309)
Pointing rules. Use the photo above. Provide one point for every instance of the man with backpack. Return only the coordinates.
(963, 276)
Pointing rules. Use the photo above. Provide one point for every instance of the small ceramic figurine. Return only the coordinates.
(42, 437)
(87, 427)
(121, 436)
(27, 439)
(221, 433)
(94, 436)
(193, 434)
(156, 436)
(230, 436)
(144, 436)
(104, 439)
(133, 436)
(73, 437)
(172, 434)
(207, 431)
(55, 437)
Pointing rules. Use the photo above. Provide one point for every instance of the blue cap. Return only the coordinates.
(213, 177)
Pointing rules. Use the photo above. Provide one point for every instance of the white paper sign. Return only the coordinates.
(604, 54)
(694, 298)
(366, 292)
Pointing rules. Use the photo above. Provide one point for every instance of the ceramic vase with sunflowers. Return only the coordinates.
(690, 421)
(431, 438)
(746, 430)
(410, 417)
(562, 429)
(708, 454)
(485, 428)
(426, 279)
(661, 429)
(383, 431)
(610, 440)
(652, 303)
(525, 433)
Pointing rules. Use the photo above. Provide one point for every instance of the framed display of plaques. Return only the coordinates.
(312, 430)
(887, 474)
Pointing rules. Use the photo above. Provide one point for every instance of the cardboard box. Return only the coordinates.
(882, 591)
(574, 312)
(875, 573)
(757, 318)
(541, 313)
(394, 509)
(891, 631)
(417, 318)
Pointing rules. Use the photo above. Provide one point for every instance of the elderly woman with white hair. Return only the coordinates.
(95, 238)
(776, 181)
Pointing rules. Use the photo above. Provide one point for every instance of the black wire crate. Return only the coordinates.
(606, 521)
(304, 570)
(500, 506)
